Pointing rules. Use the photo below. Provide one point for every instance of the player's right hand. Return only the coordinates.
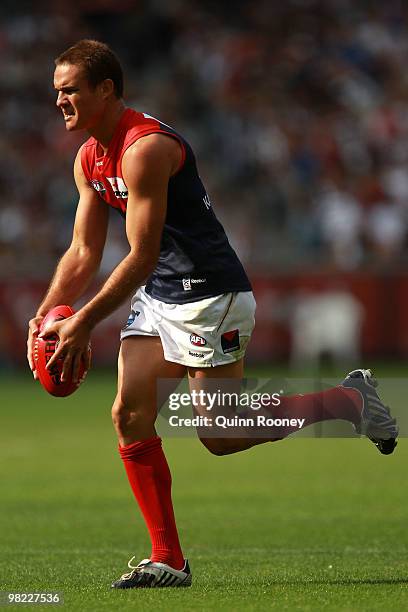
(33, 331)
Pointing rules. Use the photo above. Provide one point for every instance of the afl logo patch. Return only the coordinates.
(197, 340)
(98, 186)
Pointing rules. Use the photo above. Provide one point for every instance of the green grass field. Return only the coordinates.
(303, 524)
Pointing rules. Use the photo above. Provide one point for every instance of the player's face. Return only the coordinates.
(82, 106)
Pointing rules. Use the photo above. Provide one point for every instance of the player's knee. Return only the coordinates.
(120, 415)
(128, 415)
(217, 446)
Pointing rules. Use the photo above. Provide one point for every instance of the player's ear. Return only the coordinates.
(106, 88)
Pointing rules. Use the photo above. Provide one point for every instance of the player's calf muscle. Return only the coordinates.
(229, 446)
(216, 447)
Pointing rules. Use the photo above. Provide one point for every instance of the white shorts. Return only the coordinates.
(210, 332)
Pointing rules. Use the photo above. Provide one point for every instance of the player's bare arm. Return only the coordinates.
(81, 261)
(147, 166)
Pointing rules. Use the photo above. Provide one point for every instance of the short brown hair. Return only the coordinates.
(98, 61)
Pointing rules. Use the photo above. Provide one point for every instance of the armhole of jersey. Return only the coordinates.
(84, 163)
(183, 151)
(158, 131)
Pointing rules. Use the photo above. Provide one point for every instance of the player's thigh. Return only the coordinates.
(226, 371)
(220, 382)
(142, 371)
(220, 379)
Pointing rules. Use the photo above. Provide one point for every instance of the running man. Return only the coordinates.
(192, 310)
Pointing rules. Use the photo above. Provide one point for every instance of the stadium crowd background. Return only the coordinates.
(297, 111)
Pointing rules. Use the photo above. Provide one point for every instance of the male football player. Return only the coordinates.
(192, 309)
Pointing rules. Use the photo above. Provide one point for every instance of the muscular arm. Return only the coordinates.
(146, 166)
(81, 261)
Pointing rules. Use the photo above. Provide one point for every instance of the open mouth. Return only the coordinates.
(68, 114)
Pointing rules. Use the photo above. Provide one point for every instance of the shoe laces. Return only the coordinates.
(134, 568)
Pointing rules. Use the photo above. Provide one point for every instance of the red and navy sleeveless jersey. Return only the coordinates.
(196, 260)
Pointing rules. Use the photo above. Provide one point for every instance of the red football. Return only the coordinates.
(44, 349)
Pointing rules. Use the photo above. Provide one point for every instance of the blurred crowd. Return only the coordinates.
(297, 111)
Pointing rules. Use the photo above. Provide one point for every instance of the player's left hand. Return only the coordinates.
(73, 346)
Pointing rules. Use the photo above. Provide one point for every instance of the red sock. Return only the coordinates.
(150, 479)
(335, 403)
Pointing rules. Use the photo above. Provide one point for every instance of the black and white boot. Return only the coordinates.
(376, 421)
(151, 574)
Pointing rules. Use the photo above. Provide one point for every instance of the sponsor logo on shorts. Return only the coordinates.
(98, 186)
(230, 341)
(200, 355)
(197, 340)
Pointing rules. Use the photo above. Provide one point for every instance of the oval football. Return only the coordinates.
(44, 350)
